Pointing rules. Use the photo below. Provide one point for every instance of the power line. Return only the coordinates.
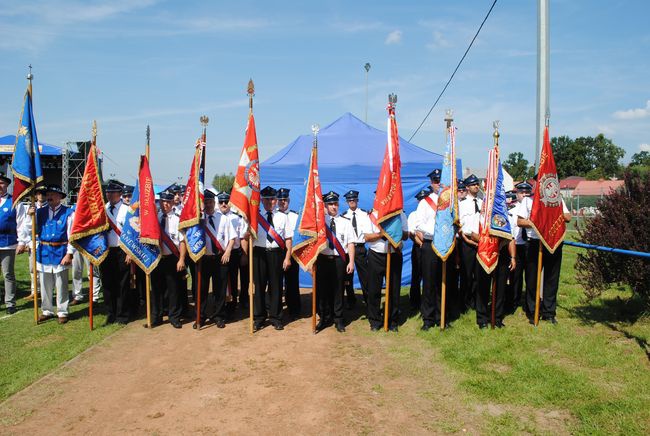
(456, 69)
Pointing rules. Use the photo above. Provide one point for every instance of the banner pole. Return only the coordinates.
(387, 304)
(148, 292)
(33, 259)
(251, 282)
(313, 299)
(443, 295)
(91, 282)
(539, 278)
(493, 320)
(198, 294)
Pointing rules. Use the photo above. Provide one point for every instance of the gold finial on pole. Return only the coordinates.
(251, 93)
(30, 77)
(94, 132)
(392, 99)
(204, 122)
(496, 135)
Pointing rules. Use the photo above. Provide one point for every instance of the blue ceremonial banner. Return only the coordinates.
(499, 223)
(94, 246)
(26, 161)
(146, 256)
(444, 235)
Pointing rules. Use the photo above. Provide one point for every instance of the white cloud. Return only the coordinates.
(606, 130)
(644, 147)
(394, 37)
(634, 114)
(439, 41)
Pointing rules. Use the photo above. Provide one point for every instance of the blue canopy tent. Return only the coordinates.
(350, 154)
(8, 142)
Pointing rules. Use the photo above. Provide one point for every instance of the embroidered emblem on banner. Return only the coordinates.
(550, 190)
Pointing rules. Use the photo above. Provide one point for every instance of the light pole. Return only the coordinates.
(367, 68)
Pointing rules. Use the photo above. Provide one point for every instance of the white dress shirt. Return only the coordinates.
(380, 245)
(344, 233)
(223, 231)
(523, 211)
(425, 216)
(364, 225)
(171, 228)
(118, 216)
(467, 212)
(280, 224)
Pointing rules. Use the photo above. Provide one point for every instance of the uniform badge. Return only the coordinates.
(6, 209)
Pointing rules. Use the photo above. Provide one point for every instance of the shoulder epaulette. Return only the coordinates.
(293, 211)
(363, 210)
(344, 217)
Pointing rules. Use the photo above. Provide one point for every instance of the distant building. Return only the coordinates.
(569, 184)
(597, 188)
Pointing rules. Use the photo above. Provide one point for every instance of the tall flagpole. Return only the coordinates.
(315, 129)
(148, 275)
(392, 99)
(493, 320)
(251, 281)
(543, 73)
(32, 197)
(443, 290)
(204, 122)
(91, 274)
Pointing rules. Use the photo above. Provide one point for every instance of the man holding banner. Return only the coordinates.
(331, 267)
(168, 275)
(114, 270)
(544, 219)
(220, 239)
(271, 255)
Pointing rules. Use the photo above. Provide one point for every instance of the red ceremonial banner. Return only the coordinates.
(90, 215)
(149, 225)
(311, 227)
(245, 194)
(191, 213)
(547, 213)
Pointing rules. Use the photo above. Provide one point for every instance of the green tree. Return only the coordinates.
(587, 156)
(223, 182)
(641, 158)
(517, 166)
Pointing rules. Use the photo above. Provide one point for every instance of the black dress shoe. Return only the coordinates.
(176, 324)
(500, 324)
(153, 324)
(278, 326)
(426, 326)
(198, 325)
(482, 325)
(340, 327)
(11, 310)
(322, 324)
(374, 328)
(393, 328)
(550, 319)
(221, 323)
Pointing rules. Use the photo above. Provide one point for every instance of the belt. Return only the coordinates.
(269, 249)
(329, 256)
(360, 244)
(54, 244)
(427, 240)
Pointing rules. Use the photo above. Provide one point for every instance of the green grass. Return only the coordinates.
(29, 351)
(591, 367)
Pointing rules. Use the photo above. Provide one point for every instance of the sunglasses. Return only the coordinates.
(223, 202)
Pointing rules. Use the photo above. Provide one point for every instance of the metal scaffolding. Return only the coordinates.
(74, 164)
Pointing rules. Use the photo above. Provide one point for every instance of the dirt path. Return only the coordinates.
(170, 381)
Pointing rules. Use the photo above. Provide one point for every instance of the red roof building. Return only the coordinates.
(597, 187)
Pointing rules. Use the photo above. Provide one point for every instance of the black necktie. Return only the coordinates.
(112, 208)
(211, 221)
(354, 223)
(163, 221)
(476, 209)
(269, 218)
(333, 228)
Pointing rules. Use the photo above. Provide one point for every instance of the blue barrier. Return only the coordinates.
(609, 249)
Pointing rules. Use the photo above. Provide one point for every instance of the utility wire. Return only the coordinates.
(455, 70)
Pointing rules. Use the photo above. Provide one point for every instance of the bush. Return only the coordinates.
(623, 222)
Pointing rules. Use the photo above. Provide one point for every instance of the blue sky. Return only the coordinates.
(129, 63)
